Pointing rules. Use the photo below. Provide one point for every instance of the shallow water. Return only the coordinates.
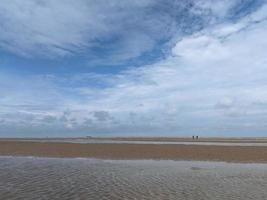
(51, 178)
(96, 141)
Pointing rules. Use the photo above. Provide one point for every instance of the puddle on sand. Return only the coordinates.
(50, 178)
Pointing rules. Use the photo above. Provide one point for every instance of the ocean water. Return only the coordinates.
(97, 141)
(30, 178)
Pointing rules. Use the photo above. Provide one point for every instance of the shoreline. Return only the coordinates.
(235, 154)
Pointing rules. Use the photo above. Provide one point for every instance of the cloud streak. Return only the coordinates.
(102, 31)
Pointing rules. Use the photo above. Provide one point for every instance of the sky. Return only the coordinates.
(71, 68)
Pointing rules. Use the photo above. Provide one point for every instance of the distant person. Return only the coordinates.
(193, 137)
(197, 137)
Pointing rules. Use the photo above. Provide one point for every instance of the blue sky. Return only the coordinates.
(142, 68)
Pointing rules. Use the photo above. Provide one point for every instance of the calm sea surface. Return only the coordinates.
(97, 141)
(51, 178)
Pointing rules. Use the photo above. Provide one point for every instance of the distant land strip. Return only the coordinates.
(149, 139)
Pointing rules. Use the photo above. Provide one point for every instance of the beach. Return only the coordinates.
(124, 169)
(135, 151)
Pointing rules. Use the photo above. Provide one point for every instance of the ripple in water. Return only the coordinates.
(50, 178)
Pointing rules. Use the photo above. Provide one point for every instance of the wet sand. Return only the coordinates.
(34, 178)
(247, 154)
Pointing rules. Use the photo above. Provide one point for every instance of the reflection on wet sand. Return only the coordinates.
(67, 178)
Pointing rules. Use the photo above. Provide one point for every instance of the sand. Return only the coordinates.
(247, 154)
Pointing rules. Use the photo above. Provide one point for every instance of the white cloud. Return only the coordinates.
(117, 30)
(225, 102)
(54, 28)
(214, 81)
(201, 48)
(218, 8)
